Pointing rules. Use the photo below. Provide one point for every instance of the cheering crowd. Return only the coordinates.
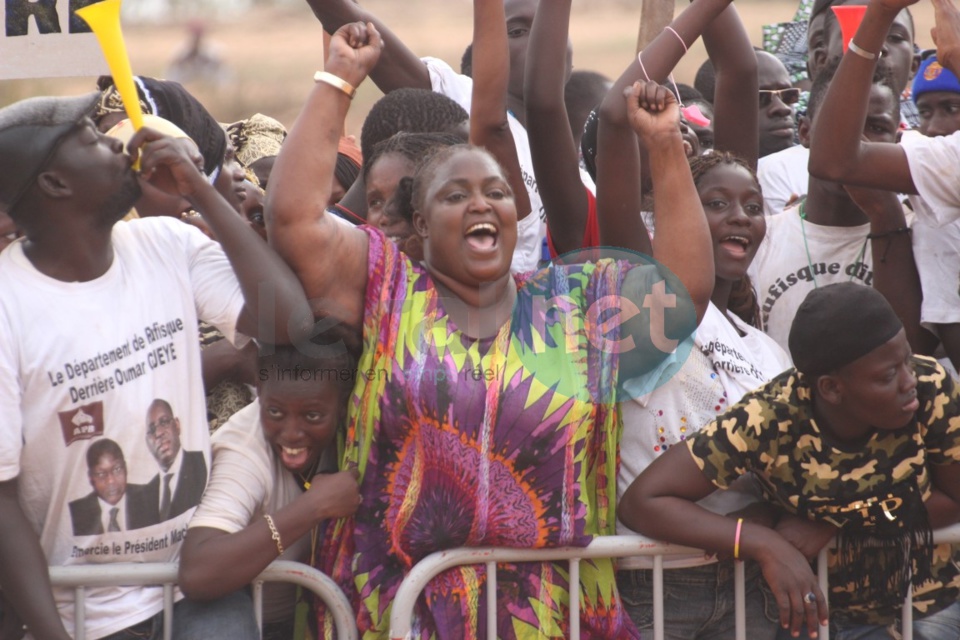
(532, 307)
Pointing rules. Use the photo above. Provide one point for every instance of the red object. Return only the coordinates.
(693, 115)
(591, 231)
(850, 17)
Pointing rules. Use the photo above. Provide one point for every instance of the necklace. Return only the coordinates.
(304, 480)
(806, 247)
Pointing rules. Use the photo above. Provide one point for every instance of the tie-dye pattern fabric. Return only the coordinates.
(465, 442)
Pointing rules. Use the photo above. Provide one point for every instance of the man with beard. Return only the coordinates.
(96, 320)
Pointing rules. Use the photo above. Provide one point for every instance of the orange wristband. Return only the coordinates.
(736, 540)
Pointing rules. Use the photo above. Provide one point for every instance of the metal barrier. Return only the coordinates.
(401, 615)
(165, 575)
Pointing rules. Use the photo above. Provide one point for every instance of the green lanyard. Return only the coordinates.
(806, 246)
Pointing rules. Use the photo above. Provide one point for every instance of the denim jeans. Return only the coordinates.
(943, 625)
(229, 618)
(698, 602)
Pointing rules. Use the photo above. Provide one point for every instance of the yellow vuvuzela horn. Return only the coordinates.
(104, 20)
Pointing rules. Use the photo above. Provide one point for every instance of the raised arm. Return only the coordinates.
(837, 151)
(398, 67)
(735, 95)
(683, 245)
(24, 576)
(946, 34)
(270, 289)
(619, 176)
(328, 257)
(552, 148)
(488, 112)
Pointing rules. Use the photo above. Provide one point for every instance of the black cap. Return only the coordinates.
(30, 133)
(838, 324)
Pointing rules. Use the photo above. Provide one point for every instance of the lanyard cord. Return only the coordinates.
(806, 246)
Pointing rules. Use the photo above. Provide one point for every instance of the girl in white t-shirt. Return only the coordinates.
(269, 487)
(730, 357)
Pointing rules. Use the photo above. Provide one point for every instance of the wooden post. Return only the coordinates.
(657, 14)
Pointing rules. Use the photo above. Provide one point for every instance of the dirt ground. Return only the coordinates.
(273, 53)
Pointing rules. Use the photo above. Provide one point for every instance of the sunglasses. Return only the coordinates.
(787, 96)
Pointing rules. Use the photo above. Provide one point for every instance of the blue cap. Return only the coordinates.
(933, 77)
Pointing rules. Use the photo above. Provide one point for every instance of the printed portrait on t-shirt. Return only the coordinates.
(182, 477)
(113, 505)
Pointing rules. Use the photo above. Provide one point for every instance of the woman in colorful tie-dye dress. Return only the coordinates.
(485, 406)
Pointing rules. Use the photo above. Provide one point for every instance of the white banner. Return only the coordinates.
(43, 38)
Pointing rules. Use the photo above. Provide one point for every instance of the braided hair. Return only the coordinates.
(743, 299)
(412, 146)
(410, 110)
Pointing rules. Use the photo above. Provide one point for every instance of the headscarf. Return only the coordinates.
(257, 137)
(838, 324)
(349, 161)
(171, 101)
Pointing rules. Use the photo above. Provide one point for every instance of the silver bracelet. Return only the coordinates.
(863, 53)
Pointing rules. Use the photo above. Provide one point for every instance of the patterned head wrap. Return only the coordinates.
(171, 101)
(257, 137)
(111, 102)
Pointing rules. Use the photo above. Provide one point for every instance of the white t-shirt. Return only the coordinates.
(783, 175)
(721, 368)
(933, 166)
(246, 482)
(783, 272)
(532, 230)
(83, 361)
(936, 229)
(936, 250)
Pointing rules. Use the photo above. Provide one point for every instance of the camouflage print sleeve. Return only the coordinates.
(939, 411)
(742, 439)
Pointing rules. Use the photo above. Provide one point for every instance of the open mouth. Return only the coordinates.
(482, 236)
(736, 245)
(294, 457)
